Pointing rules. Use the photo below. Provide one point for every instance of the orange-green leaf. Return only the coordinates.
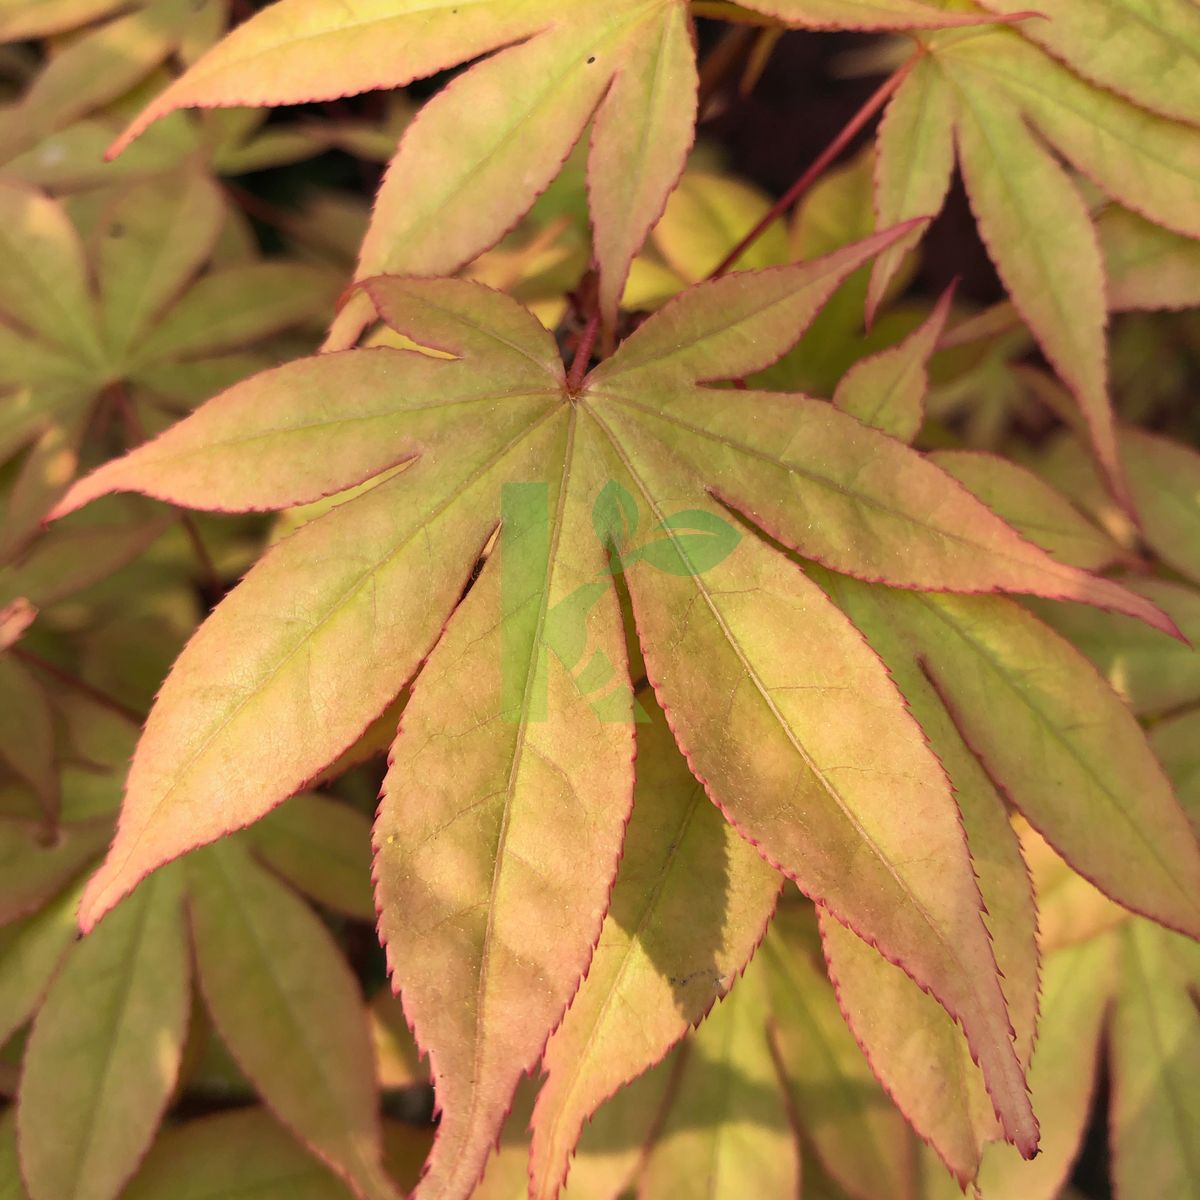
(1148, 50)
(1152, 673)
(1033, 508)
(914, 162)
(1034, 220)
(1063, 748)
(714, 648)
(690, 904)
(640, 139)
(504, 810)
(887, 390)
(289, 1010)
(1148, 267)
(105, 1050)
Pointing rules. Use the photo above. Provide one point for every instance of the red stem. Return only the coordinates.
(76, 684)
(583, 353)
(877, 100)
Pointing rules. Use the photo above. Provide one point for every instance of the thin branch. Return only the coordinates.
(876, 101)
(583, 353)
(77, 685)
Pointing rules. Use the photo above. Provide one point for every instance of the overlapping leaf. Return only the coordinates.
(72, 344)
(484, 148)
(1004, 105)
(510, 780)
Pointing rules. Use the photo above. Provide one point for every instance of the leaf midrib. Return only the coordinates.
(335, 607)
(752, 675)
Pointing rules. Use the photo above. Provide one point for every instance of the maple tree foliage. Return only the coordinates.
(575, 678)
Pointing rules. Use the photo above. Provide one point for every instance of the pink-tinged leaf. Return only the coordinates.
(474, 159)
(319, 425)
(860, 1138)
(367, 599)
(735, 325)
(728, 1132)
(865, 15)
(1148, 267)
(294, 51)
(1146, 162)
(1148, 51)
(244, 1154)
(914, 162)
(1033, 508)
(750, 653)
(1063, 748)
(691, 902)
(505, 804)
(884, 1007)
(915, 1050)
(321, 847)
(30, 952)
(1155, 1051)
(1152, 673)
(887, 390)
(1008, 903)
(105, 1050)
(1034, 222)
(27, 733)
(33, 868)
(44, 282)
(640, 141)
(469, 320)
(850, 497)
(147, 249)
(308, 429)
(286, 1005)
(1077, 984)
(235, 307)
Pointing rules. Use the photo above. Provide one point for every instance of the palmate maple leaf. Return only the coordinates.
(492, 140)
(510, 781)
(132, 316)
(1109, 86)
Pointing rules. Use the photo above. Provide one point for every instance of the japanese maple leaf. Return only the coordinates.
(1005, 108)
(511, 778)
(118, 46)
(129, 321)
(491, 141)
